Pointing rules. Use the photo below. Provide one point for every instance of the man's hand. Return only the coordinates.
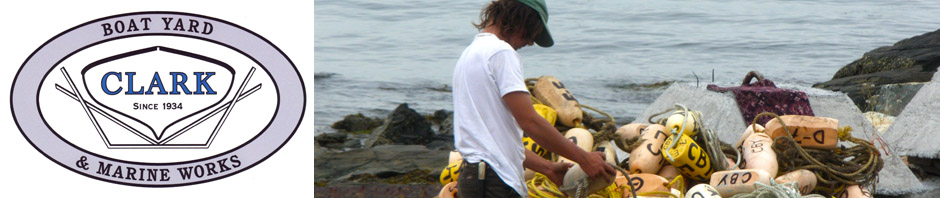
(595, 167)
(557, 172)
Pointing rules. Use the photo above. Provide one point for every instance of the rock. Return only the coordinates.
(892, 98)
(402, 126)
(910, 60)
(337, 167)
(441, 145)
(441, 115)
(913, 132)
(352, 143)
(444, 119)
(357, 123)
(331, 140)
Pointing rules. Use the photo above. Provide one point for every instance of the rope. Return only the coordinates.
(541, 186)
(581, 185)
(774, 190)
(834, 169)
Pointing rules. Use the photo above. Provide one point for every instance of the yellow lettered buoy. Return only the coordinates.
(805, 178)
(546, 112)
(808, 131)
(553, 93)
(688, 157)
(648, 158)
(674, 123)
(530, 144)
(702, 191)
(580, 137)
(732, 182)
(451, 172)
(758, 153)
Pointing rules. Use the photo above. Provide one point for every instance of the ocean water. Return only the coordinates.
(371, 55)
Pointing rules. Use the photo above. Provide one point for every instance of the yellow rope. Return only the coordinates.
(541, 186)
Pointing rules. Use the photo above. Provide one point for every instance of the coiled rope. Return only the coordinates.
(834, 169)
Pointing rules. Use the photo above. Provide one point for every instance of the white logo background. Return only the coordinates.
(287, 173)
(66, 116)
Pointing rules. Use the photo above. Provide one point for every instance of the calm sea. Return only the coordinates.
(372, 55)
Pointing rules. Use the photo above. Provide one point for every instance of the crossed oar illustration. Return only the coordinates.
(89, 107)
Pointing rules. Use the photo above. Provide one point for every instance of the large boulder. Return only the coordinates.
(332, 140)
(910, 60)
(357, 123)
(402, 126)
(914, 130)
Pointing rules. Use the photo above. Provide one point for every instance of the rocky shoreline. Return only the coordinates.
(404, 153)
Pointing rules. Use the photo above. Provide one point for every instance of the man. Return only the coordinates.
(492, 108)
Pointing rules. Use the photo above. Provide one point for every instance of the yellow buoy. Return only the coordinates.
(648, 158)
(451, 172)
(546, 112)
(530, 144)
(553, 93)
(688, 157)
(674, 123)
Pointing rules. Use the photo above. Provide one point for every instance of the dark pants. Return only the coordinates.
(469, 184)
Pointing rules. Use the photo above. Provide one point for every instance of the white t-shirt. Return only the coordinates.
(484, 128)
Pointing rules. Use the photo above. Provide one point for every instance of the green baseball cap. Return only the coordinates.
(544, 39)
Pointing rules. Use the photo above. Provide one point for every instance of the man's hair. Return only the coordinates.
(512, 17)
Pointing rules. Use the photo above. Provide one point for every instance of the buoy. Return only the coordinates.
(747, 132)
(629, 131)
(580, 137)
(805, 178)
(668, 171)
(610, 155)
(688, 157)
(451, 172)
(530, 144)
(854, 191)
(575, 174)
(454, 156)
(553, 93)
(644, 182)
(702, 191)
(759, 154)
(546, 112)
(674, 123)
(449, 191)
(808, 131)
(647, 158)
(732, 182)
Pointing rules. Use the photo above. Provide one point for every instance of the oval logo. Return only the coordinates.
(158, 99)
